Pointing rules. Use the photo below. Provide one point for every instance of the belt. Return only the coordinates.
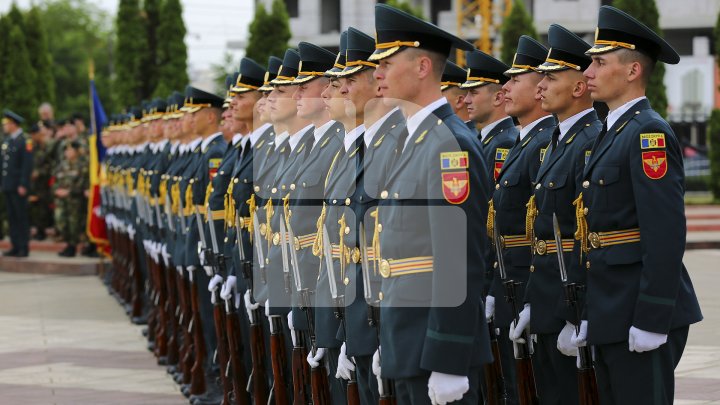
(354, 255)
(546, 247)
(403, 267)
(277, 237)
(304, 241)
(601, 239)
(218, 215)
(512, 241)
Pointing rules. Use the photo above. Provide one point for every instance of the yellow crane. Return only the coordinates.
(478, 15)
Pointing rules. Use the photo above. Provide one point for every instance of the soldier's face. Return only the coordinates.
(522, 94)
(396, 77)
(242, 107)
(281, 104)
(8, 126)
(308, 98)
(187, 123)
(556, 91)
(71, 153)
(607, 77)
(334, 101)
(261, 109)
(479, 102)
(358, 89)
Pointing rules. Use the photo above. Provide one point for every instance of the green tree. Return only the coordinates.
(78, 31)
(268, 33)
(40, 57)
(220, 72)
(517, 23)
(19, 77)
(405, 6)
(714, 130)
(4, 55)
(171, 50)
(646, 12)
(129, 55)
(149, 67)
(16, 17)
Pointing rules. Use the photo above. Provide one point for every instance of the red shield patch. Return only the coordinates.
(655, 164)
(498, 167)
(456, 186)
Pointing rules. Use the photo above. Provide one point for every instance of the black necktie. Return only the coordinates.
(556, 137)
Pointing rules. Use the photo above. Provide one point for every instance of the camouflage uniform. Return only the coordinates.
(41, 199)
(72, 175)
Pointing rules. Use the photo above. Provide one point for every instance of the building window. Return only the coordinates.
(437, 6)
(330, 21)
(293, 8)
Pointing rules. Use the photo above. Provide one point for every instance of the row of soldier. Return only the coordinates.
(333, 232)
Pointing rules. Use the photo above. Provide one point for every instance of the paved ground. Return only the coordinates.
(64, 340)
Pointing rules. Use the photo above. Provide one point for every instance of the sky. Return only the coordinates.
(210, 25)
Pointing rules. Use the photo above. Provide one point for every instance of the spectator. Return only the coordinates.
(69, 191)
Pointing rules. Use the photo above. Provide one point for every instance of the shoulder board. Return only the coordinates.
(526, 142)
(621, 127)
(379, 141)
(325, 142)
(260, 144)
(282, 150)
(422, 136)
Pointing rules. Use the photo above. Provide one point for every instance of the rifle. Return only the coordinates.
(386, 387)
(353, 395)
(527, 391)
(494, 380)
(257, 341)
(172, 306)
(161, 330)
(587, 385)
(223, 326)
(187, 315)
(197, 385)
(300, 368)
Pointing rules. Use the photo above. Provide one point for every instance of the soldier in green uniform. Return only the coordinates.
(71, 181)
(640, 300)
(40, 196)
(17, 163)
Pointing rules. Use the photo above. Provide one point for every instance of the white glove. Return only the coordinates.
(530, 346)
(201, 256)
(249, 305)
(564, 341)
(155, 250)
(166, 256)
(267, 308)
(191, 272)
(444, 388)
(131, 232)
(376, 362)
(579, 339)
(523, 322)
(213, 285)
(291, 326)
(643, 341)
(179, 269)
(208, 270)
(345, 365)
(489, 307)
(314, 361)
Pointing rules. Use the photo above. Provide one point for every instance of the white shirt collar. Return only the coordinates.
(568, 123)
(255, 135)
(297, 136)
(320, 132)
(209, 139)
(416, 119)
(372, 131)
(174, 147)
(485, 131)
(194, 144)
(16, 134)
(236, 138)
(352, 136)
(280, 138)
(614, 115)
(244, 140)
(529, 127)
(161, 144)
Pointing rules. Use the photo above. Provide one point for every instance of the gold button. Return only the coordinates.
(292, 187)
(346, 281)
(381, 296)
(602, 182)
(396, 195)
(551, 184)
(235, 181)
(263, 229)
(257, 189)
(274, 190)
(586, 184)
(304, 184)
(347, 230)
(505, 182)
(586, 210)
(222, 172)
(226, 239)
(192, 181)
(587, 264)
(385, 268)
(384, 194)
(276, 238)
(334, 201)
(497, 187)
(532, 268)
(347, 201)
(283, 187)
(245, 181)
(296, 243)
(537, 187)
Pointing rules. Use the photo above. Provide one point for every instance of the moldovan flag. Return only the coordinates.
(96, 230)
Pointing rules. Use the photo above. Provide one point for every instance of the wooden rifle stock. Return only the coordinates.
(172, 309)
(278, 360)
(186, 350)
(300, 370)
(587, 385)
(162, 324)
(527, 390)
(136, 282)
(257, 351)
(494, 380)
(319, 386)
(353, 394)
(197, 379)
(239, 377)
(223, 352)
